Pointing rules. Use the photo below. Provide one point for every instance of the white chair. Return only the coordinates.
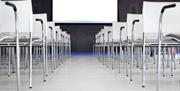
(65, 44)
(120, 35)
(110, 46)
(69, 45)
(55, 47)
(124, 42)
(96, 44)
(40, 34)
(100, 40)
(62, 39)
(58, 43)
(16, 19)
(103, 45)
(135, 32)
(51, 42)
(161, 20)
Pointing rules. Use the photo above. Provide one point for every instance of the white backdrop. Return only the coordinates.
(84, 11)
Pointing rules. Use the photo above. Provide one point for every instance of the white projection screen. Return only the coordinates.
(85, 11)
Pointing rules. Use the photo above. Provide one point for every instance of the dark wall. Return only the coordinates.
(82, 35)
(129, 6)
(43, 6)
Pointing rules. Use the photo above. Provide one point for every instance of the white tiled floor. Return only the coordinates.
(85, 73)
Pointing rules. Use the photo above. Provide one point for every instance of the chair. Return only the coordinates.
(51, 42)
(135, 28)
(119, 35)
(39, 33)
(161, 25)
(16, 21)
(109, 43)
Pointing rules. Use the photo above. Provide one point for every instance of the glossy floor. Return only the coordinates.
(85, 73)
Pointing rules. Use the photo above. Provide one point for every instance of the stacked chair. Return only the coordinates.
(28, 41)
(103, 46)
(108, 43)
(146, 41)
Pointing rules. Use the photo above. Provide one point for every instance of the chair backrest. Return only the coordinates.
(124, 30)
(108, 29)
(104, 32)
(101, 36)
(57, 28)
(25, 17)
(97, 37)
(170, 22)
(51, 33)
(64, 33)
(69, 38)
(37, 26)
(138, 26)
(60, 32)
(116, 31)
